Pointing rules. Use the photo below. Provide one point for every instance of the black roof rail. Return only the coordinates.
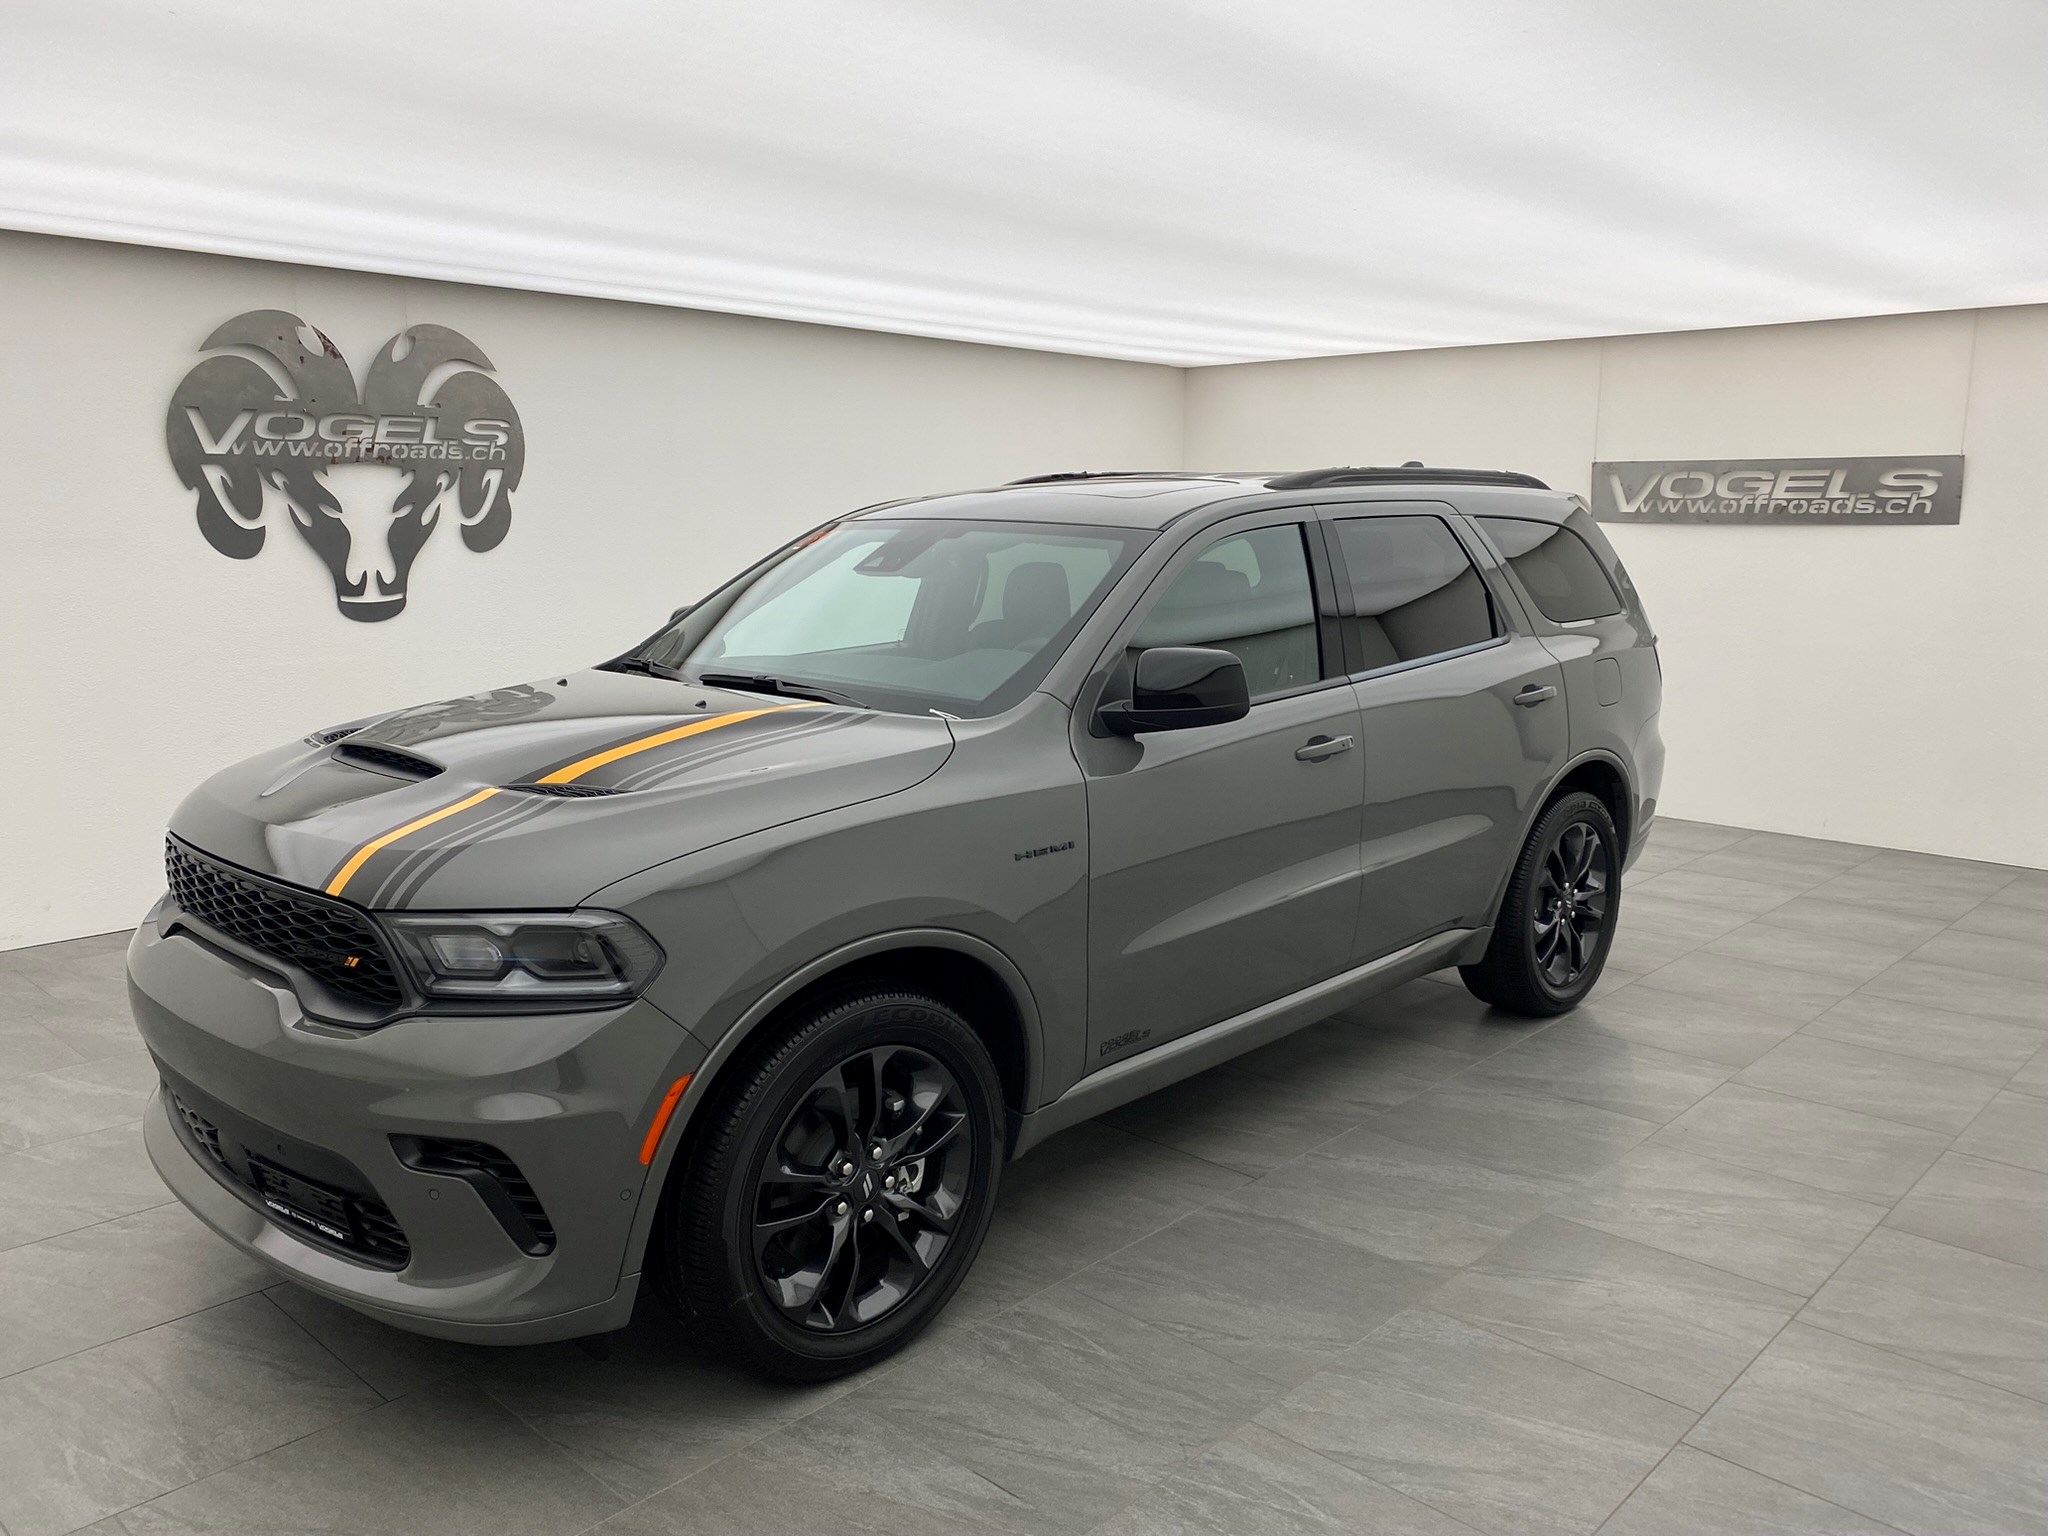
(1407, 474)
(1094, 474)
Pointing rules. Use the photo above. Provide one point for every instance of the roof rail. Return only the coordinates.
(1407, 474)
(1089, 474)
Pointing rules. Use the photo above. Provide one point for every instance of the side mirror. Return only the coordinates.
(1175, 687)
(683, 612)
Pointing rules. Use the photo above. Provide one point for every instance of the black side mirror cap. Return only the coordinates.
(1178, 687)
(683, 612)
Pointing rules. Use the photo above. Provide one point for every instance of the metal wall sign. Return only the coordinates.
(1888, 492)
(270, 429)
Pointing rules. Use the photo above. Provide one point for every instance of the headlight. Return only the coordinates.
(525, 958)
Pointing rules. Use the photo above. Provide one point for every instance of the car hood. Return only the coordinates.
(536, 795)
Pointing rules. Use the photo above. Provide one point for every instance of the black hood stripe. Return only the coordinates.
(403, 864)
(406, 882)
(567, 773)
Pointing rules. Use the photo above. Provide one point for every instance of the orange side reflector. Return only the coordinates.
(668, 1107)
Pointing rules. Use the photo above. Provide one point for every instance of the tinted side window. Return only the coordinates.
(1415, 588)
(1247, 594)
(1564, 576)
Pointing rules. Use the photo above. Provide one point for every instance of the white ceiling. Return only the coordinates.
(1184, 181)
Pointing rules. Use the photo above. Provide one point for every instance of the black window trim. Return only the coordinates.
(1324, 584)
(1450, 517)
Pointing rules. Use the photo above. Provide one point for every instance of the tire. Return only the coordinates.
(778, 1255)
(1556, 923)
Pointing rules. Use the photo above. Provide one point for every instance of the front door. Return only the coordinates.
(1462, 723)
(1223, 860)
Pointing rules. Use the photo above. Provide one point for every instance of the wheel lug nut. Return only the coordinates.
(840, 1209)
(876, 1151)
(868, 1215)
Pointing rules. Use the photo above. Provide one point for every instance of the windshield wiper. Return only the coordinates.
(761, 682)
(638, 664)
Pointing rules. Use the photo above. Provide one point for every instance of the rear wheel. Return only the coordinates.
(839, 1189)
(1556, 924)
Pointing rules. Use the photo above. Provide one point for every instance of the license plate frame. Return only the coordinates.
(305, 1203)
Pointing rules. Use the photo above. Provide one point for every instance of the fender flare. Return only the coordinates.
(749, 1023)
(1536, 808)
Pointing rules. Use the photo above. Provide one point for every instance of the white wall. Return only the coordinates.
(1877, 685)
(1880, 685)
(665, 447)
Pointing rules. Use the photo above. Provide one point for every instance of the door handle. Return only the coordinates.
(1316, 748)
(1535, 694)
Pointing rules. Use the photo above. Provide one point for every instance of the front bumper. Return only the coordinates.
(566, 1097)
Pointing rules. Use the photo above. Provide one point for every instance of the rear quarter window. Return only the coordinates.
(1564, 577)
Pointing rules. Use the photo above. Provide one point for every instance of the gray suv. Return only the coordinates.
(742, 963)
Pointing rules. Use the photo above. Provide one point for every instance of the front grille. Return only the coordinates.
(329, 941)
(357, 1224)
(496, 1179)
(367, 754)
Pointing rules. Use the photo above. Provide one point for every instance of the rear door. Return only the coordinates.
(1583, 607)
(1223, 860)
(1462, 715)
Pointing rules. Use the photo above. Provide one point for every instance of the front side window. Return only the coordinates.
(1416, 590)
(1247, 594)
(1561, 573)
(911, 615)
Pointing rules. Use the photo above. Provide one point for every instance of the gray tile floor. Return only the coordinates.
(1757, 1239)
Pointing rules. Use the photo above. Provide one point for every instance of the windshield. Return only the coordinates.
(960, 617)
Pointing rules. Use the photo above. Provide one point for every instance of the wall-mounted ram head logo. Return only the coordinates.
(270, 428)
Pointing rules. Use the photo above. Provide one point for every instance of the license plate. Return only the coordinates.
(307, 1204)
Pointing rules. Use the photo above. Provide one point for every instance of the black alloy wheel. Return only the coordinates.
(829, 1197)
(858, 1196)
(1556, 923)
(1570, 910)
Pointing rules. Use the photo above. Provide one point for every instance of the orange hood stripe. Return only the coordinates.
(576, 770)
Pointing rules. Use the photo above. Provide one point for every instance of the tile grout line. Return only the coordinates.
(97, 1221)
(1916, 1361)
(164, 1493)
(1777, 1334)
(321, 1344)
(86, 1349)
(1366, 1476)
(1749, 1472)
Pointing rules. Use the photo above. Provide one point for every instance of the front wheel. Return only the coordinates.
(1556, 922)
(839, 1188)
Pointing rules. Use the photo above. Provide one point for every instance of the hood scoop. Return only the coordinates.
(565, 791)
(403, 765)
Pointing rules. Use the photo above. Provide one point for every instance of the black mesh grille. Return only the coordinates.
(333, 943)
(203, 1130)
(338, 1218)
(476, 1160)
(368, 754)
